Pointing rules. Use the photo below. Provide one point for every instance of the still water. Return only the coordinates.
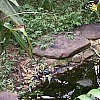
(72, 83)
(69, 84)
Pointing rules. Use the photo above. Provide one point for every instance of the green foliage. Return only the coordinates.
(65, 16)
(1, 28)
(46, 4)
(84, 97)
(93, 94)
(7, 8)
(5, 69)
(17, 36)
(47, 17)
(98, 8)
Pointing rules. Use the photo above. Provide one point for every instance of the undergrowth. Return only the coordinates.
(5, 69)
(64, 16)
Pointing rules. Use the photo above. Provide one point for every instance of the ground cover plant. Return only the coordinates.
(91, 95)
(63, 17)
(40, 19)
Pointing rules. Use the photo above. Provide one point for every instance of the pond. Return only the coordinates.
(70, 84)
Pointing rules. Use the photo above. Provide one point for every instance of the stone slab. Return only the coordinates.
(63, 47)
(90, 31)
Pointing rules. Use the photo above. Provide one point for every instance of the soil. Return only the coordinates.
(25, 70)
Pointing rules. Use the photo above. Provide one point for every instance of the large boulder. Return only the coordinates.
(63, 47)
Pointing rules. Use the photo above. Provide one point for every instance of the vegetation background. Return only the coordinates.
(42, 17)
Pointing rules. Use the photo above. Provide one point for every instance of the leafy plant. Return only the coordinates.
(65, 16)
(10, 10)
(5, 69)
(93, 94)
(46, 4)
(17, 36)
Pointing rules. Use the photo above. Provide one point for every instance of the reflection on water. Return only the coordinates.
(73, 82)
(97, 72)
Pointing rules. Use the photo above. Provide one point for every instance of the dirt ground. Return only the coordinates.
(27, 73)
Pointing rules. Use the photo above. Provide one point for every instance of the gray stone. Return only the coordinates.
(8, 96)
(90, 31)
(63, 47)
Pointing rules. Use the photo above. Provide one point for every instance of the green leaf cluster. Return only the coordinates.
(93, 94)
(65, 16)
(9, 8)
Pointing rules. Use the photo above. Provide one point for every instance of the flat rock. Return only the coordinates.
(63, 47)
(90, 31)
(8, 96)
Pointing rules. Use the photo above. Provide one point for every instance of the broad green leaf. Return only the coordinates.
(16, 35)
(29, 47)
(84, 97)
(14, 2)
(19, 40)
(22, 29)
(99, 88)
(94, 93)
(8, 37)
(9, 10)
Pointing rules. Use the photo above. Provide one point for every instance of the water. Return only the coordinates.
(72, 83)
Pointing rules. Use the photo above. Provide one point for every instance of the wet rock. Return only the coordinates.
(63, 47)
(85, 82)
(90, 31)
(8, 96)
